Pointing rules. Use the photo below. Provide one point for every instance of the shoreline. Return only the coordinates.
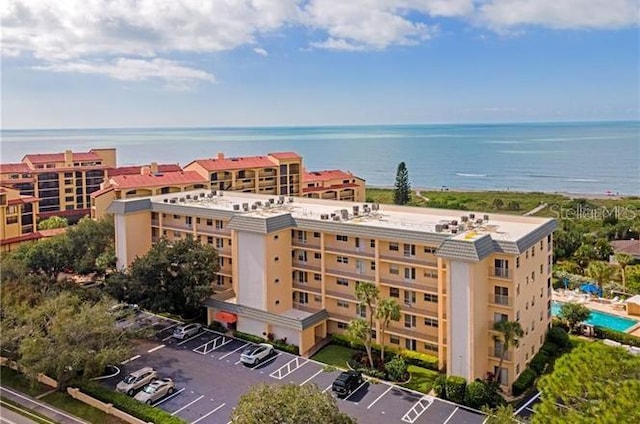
(567, 194)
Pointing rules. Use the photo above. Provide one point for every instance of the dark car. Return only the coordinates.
(347, 382)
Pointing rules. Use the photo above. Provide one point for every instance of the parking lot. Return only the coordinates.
(210, 379)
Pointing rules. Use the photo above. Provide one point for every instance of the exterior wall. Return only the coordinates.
(459, 347)
(18, 218)
(133, 236)
(277, 268)
(99, 204)
(250, 326)
(108, 156)
(251, 260)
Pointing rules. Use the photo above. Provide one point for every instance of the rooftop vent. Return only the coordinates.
(344, 214)
(486, 218)
(356, 209)
(479, 221)
(172, 200)
(258, 203)
(182, 199)
(375, 206)
(188, 196)
(272, 200)
(220, 193)
(472, 216)
(245, 206)
(202, 194)
(236, 207)
(464, 218)
(166, 200)
(445, 226)
(336, 218)
(439, 228)
(290, 199)
(324, 216)
(254, 207)
(454, 222)
(454, 230)
(281, 199)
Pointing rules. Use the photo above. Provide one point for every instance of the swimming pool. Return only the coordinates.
(602, 319)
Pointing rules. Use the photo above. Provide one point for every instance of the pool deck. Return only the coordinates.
(602, 305)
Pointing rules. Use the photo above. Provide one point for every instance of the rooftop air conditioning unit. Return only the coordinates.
(479, 221)
(166, 200)
(366, 209)
(445, 226)
(464, 218)
(324, 216)
(254, 207)
(281, 199)
(375, 206)
(344, 214)
(486, 218)
(332, 214)
(272, 200)
(236, 207)
(454, 222)
(172, 200)
(220, 193)
(461, 227)
(209, 195)
(258, 203)
(454, 230)
(188, 196)
(290, 199)
(439, 228)
(336, 218)
(472, 216)
(245, 206)
(202, 194)
(182, 199)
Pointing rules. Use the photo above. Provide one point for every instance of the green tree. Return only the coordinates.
(67, 338)
(367, 294)
(498, 203)
(584, 254)
(92, 245)
(290, 404)
(573, 314)
(633, 279)
(623, 260)
(509, 333)
(503, 414)
(600, 271)
(477, 394)
(603, 249)
(396, 368)
(359, 331)
(48, 256)
(593, 383)
(171, 277)
(387, 310)
(402, 190)
(52, 223)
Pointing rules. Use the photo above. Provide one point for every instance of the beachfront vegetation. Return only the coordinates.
(402, 191)
(289, 403)
(573, 314)
(171, 277)
(592, 383)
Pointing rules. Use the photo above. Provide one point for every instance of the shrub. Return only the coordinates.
(550, 349)
(130, 405)
(618, 336)
(455, 388)
(248, 337)
(342, 340)
(396, 368)
(558, 336)
(524, 382)
(477, 394)
(421, 359)
(440, 386)
(278, 344)
(217, 326)
(539, 362)
(293, 349)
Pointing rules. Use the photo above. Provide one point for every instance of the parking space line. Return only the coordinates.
(155, 348)
(325, 390)
(167, 338)
(449, 417)
(233, 351)
(187, 405)
(527, 403)
(289, 367)
(207, 414)
(103, 377)
(379, 397)
(264, 362)
(169, 397)
(189, 339)
(310, 378)
(133, 358)
(359, 387)
(414, 409)
(212, 345)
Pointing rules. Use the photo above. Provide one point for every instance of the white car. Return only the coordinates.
(137, 379)
(156, 390)
(186, 330)
(256, 353)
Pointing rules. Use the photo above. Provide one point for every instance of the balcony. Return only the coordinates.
(411, 260)
(412, 333)
(495, 352)
(351, 252)
(306, 266)
(499, 299)
(410, 284)
(305, 287)
(341, 295)
(500, 273)
(350, 274)
(305, 244)
(412, 309)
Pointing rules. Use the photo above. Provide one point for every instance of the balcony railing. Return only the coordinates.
(499, 299)
(305, 266)
(307, 287)
(364, 276)
(305, 244)
(501, 272)
(495, 352)
(413, 309)
(408, 260)
(352, 251)
(410, 284)
(412, 334)
(340, 295)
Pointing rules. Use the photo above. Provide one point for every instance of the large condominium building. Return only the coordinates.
(333, 185)
(62, 182)
(275, 173)
(17, 219)
(289, 267)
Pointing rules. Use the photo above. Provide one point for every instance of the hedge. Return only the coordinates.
(455, 388)
(440, 386)
(618, 336)
(293, 349)
(539, 362)
(550, 349)
(524, 382)
(558, 336)
(130, 405)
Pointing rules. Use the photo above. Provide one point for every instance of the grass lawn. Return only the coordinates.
(15, 380)
(75, 407)
(421, 379)
(19, 409)
(334, 355)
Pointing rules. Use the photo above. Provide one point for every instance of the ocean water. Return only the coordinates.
(593, 157)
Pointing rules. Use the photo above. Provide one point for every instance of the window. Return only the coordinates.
(276, 237)
(394, 269)
(177, 234)
(431, 298)
(303, 298)
(317, 277)
(541, 268)
(430, 347)
(428, 273)
(526, 305)
(409, 273)
(343, 325)
(533, 276)
(533, 251)
(342, 282)
(361, 311)
(498, 317)
(430, 250)
(518, 289)
(219, 224)
(342, 259)
(219, 243)
(394, 246)
(342, 238)
(541, 244)
(394, 292)
(394, 340)
(317, 255)
(501, 295)
(302, 255)
(316, 234)
(221, 261)
(373, 266)
(409, 250)
(517, 368)
(526, 254)
(343, 304)
(300, 276)
(209, 222)
(12, 220)
(518, 314)
(372, 244)
(409, 321)
(317, 299)
(430, 322)
(409, 297)
(518, 262)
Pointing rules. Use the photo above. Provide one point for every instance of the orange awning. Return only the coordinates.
(227, 317)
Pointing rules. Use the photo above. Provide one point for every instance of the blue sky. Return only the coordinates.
(95, 63)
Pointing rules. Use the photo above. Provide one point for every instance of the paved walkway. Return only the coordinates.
(535, 210)
(56, 415)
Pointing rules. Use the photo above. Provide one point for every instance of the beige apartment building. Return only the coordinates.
(289, 266)
(17, 219)
(333, 184)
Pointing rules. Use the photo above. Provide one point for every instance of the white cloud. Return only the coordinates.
(560, 14)
(261, 51)
(134, 70)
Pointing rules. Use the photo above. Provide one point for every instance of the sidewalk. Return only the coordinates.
(30, 403)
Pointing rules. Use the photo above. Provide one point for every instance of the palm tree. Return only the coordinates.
(599, 271)
(367, 293)
(510, 333)
(359, 331)
(623, 260)
(387, 310)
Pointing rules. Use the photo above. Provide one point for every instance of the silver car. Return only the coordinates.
(156, 390)
(136, 380)
(186, 330)
(256, 353)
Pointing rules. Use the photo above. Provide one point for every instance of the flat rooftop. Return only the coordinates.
(458, 225)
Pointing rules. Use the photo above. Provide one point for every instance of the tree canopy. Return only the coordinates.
(402, 190)
(573, 314)
(290, 403)
(594, 383)
(172, 277)
(53, 222)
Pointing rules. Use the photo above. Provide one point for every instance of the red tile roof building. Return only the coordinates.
(333, 184)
